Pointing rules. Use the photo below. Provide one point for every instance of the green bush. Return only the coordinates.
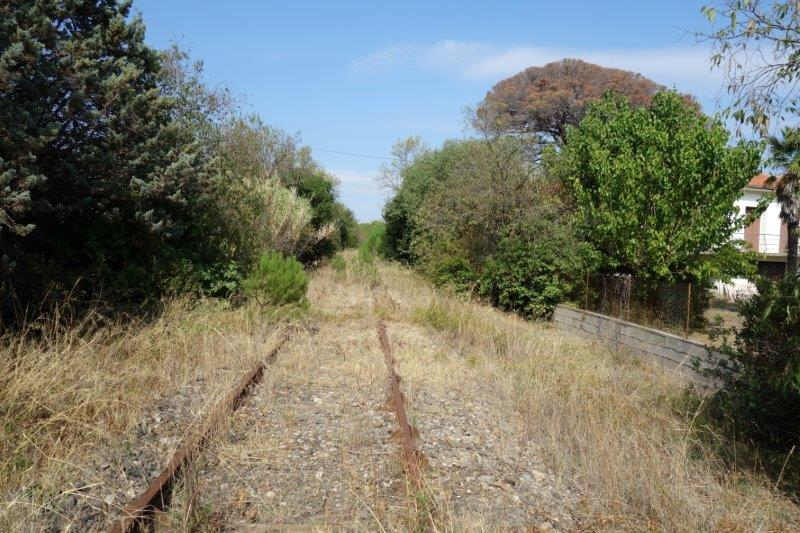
(454, 272)
(531, 274)
(761, 370)
(373, 245)
(277, 281)
(339, 264)
(217, 280)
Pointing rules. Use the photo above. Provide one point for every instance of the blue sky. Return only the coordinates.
(354, 77)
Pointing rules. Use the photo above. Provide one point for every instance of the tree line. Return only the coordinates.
(566, 179)
(576, 168)
(123, 177)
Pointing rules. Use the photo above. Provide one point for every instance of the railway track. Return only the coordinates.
(141, 512)
(330, 438)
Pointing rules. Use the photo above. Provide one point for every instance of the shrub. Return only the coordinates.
(761, 370)
(374, 242)
(338, 263)
(217, 280)
(454, 272)
(276, 281)
(534, 270)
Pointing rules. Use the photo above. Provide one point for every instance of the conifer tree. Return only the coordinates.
(97, 181)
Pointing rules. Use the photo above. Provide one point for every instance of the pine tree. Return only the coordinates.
(97, 181)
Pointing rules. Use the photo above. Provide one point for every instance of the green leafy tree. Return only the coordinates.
(401, 212)
(786, 155)
(477, 216)
(97, 181)
(756, 45)
(489, 184)
(348, 227)
(654, 187)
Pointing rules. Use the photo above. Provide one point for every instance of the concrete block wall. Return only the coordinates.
(672, 351)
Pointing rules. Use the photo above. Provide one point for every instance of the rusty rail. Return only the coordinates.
(413, 459)
(139, 512)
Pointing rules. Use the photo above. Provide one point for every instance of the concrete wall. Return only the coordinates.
(673, 352)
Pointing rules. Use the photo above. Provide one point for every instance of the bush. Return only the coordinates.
(519, 279)
(374, 242)
(535, 268)
(454, 272)
(277, 281)
(339, 264)
(761, 376)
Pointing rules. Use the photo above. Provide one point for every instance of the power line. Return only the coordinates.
(353, 154)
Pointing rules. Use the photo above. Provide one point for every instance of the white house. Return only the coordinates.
(767, 235)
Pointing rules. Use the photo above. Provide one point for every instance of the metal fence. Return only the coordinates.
(676, 307)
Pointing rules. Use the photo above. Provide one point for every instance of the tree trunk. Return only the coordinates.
(791, 250)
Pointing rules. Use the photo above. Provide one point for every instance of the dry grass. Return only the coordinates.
(605, 421)
(69, 393)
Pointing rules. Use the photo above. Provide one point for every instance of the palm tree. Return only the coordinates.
(786, 156)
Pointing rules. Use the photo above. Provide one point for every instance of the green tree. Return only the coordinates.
(477, 215)
(401, 212)
(786, 155)
(97, 181)
(654, 188)
(348, 227)
(334, 223)
(756, 44)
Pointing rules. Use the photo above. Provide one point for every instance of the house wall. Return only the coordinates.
(770, 222)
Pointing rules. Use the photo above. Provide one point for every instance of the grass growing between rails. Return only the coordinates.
(74, 400)
(607, 423)
(611, 432)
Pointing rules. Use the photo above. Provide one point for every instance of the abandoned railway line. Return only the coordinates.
(388, 408)
(322, 432)
(140, 514)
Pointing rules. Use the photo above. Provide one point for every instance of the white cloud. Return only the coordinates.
(361, 192)
(354, 180)
(479, 61)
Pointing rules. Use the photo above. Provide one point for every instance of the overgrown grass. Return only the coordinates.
(68, 392)
(613, 426)
(617, 429)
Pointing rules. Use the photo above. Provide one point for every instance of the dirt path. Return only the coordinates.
(312, 448)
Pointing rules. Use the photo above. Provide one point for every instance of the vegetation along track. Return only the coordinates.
(522, 428)
(140, 512)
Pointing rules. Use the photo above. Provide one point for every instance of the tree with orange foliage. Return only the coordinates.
(543, 101)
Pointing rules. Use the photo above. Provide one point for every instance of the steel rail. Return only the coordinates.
(413, 459)
(139, 513)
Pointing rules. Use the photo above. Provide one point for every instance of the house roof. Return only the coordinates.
(761, 181)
